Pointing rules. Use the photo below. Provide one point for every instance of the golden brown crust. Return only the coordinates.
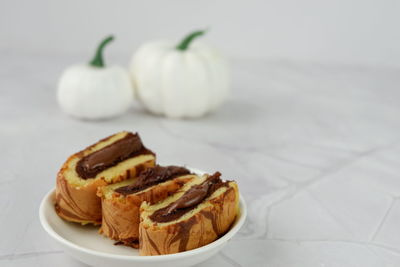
(205, 226)
(80, 203)
(121, 215)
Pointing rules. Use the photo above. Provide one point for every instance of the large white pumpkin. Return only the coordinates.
(180, 81)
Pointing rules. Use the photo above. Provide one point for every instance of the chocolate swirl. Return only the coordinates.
(152, 176)
(188, 201)
(109, 156)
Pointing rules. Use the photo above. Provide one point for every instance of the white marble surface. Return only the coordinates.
(315, 149)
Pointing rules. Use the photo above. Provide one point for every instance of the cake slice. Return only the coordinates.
(198, 214)
(113, 159)
(121, 202)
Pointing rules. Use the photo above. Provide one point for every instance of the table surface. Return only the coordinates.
(315, 149)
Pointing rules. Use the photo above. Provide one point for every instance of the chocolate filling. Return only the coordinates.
(109, 156)
(188, 201)
(152, 176)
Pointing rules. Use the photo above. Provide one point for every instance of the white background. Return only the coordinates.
(351, 32)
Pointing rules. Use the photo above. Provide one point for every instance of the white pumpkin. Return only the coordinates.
(94, 91)
(180, 81)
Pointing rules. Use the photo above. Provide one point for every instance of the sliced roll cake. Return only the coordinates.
(121, 202)
(113, 159)
(198, 214)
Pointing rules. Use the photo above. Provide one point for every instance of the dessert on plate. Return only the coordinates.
(161, 210)
(199, 213)
(121, 201)
(114, 159)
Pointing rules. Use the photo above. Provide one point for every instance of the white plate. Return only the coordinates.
(85, 244)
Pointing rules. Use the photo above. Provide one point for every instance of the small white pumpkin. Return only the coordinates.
(94, 91)
(180, 81)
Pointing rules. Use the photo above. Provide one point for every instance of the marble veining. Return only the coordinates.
(315, 149)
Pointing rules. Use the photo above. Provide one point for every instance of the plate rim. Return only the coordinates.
(226, 237)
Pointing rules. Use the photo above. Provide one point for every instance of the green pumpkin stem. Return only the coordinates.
(97, 60)
(184, 44)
